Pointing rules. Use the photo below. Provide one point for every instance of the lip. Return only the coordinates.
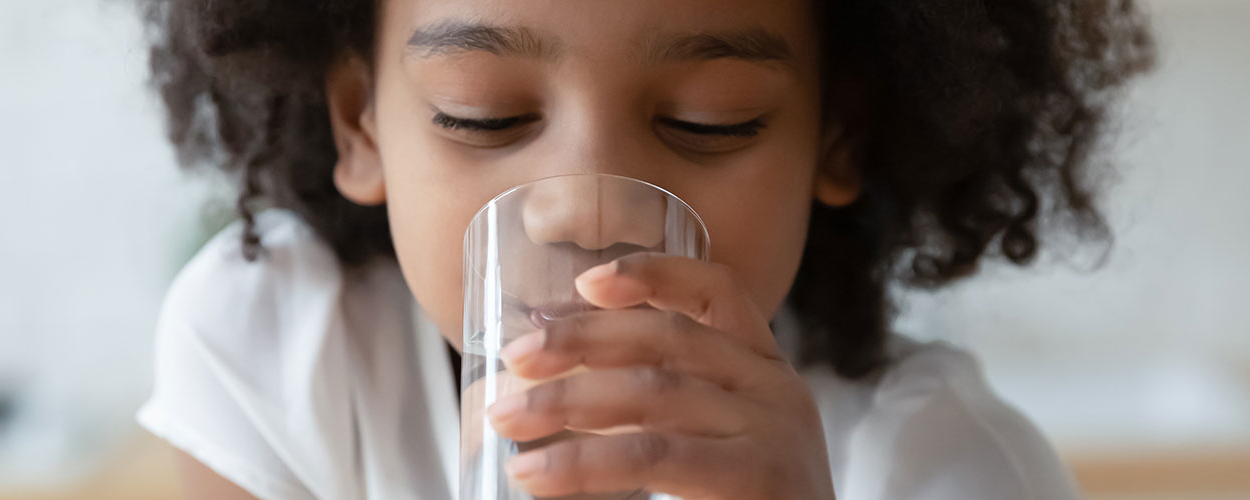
(544, 313)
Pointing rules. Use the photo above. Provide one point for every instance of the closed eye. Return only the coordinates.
(482, 124)
(745, 129)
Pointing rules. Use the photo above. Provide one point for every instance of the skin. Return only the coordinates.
(721, 413)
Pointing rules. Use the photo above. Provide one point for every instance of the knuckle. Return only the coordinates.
(563, 335)
(724, 273)
(633, 263)
(649, 449)
(548, 397)
(564, 460)
(656, 380)
(677, 321)
(727, 278)
(677, 338)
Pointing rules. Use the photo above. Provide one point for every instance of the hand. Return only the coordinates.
(719, 412)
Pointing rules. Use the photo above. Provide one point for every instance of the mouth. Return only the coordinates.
(541, 315)
(546, 313)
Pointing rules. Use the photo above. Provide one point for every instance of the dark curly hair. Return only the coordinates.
(977, 120)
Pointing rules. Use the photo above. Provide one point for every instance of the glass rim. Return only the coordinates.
(690, 210)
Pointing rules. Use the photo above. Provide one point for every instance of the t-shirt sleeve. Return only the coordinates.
(935, 431)
(221, 374)
(193, 409)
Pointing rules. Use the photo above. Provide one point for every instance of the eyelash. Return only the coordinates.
(745, 129)
(482, 125)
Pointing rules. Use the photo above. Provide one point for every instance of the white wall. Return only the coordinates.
(94, 219)
(1154, 349)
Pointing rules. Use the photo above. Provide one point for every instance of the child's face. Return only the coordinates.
(599, 84)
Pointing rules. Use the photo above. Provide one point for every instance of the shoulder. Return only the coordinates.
(932, 428)
(244, 349)
(219, 290)
(270, 327)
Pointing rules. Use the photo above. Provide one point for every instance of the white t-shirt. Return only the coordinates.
(295, 380)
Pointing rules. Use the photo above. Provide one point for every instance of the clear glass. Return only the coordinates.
(523, 251)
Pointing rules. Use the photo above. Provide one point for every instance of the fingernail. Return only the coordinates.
(521, 349)
(597, 273)
(506, 407)
(526, 464)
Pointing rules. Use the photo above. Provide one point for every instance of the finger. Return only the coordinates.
(708, 293)
(613, 339)
(473, 410)
(681, 465)
(643, 396)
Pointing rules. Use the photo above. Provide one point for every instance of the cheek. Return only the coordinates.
(758, 225)
(428, 211)
(432, 193)
(428, 235)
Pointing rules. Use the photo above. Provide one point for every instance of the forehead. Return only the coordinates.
(603, 28)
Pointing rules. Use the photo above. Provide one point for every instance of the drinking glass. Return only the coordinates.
(522, 252)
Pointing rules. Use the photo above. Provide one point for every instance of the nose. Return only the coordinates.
(600, 134)
(594, 212)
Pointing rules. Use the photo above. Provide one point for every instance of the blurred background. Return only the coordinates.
(1139, 372)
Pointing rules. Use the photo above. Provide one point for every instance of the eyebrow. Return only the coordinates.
(755, 45)
(449, 37)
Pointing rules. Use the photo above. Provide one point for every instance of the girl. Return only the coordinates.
(832, 148)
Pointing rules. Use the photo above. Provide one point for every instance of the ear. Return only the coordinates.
(838, 180)
(349, 95)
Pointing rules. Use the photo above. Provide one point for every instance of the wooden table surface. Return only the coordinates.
(143, 471)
